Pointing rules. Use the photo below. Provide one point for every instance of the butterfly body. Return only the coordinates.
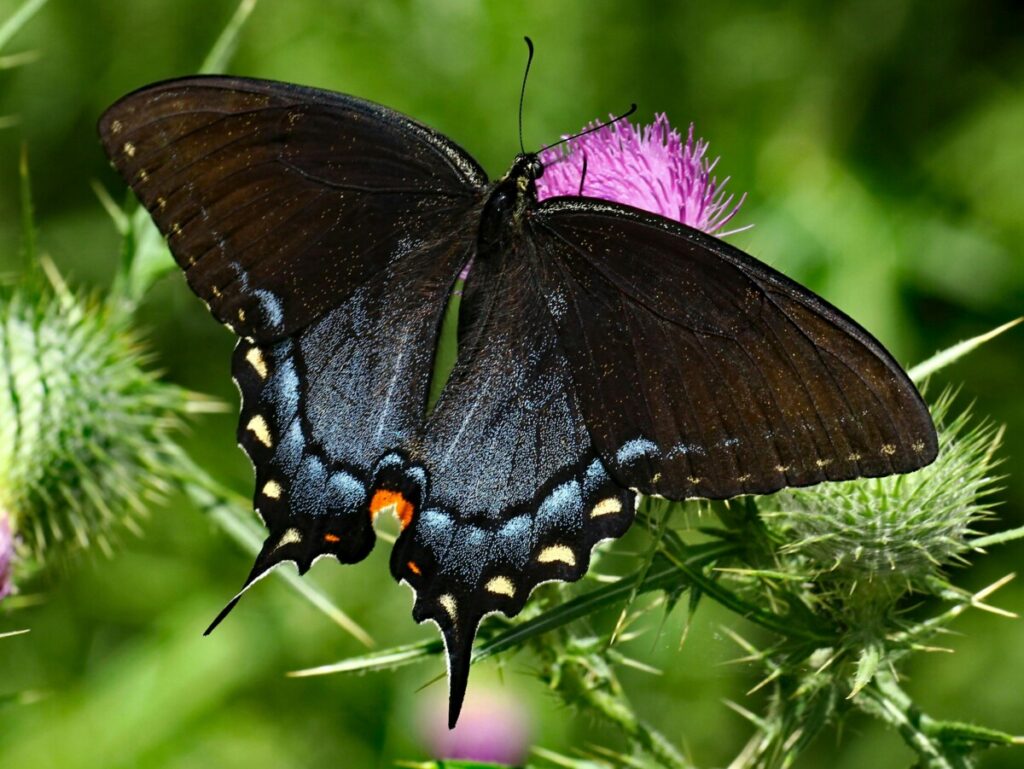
(603, 351)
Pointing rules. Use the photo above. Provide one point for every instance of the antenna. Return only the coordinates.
(623, 116)
(522, 92)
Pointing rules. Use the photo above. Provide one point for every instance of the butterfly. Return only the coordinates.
(605, 353)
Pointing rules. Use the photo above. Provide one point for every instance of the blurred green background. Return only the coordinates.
(881, 145)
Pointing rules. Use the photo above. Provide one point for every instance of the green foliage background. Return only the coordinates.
(880, 143)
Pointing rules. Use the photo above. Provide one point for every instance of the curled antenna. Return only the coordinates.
(598, 127)
(522, 92)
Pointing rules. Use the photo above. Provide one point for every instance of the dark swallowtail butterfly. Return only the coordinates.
(604, 353)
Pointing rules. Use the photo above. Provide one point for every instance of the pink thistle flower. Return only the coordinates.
(6, 555)
(649, 167)
(494, 728)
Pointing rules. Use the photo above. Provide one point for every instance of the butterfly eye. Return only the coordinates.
(535, 169)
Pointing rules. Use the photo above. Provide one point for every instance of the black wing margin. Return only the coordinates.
(277, 200)
(702, 372)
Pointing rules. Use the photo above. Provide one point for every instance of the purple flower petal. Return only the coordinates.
(648, 167)
(6, 555)
(494, 728)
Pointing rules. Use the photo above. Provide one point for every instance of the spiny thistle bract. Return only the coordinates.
(85, 429)
(897, 531)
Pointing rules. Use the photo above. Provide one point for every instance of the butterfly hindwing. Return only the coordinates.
(703, 372)
(516, 494)
(279, 201)
(321, 407)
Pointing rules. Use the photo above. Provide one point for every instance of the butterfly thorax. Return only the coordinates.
(510, 198)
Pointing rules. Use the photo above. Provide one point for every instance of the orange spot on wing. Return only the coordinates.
(414, 568)
(332, 538)
(384, 499)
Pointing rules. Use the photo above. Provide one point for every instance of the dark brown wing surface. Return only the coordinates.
(279, 201)
(702, 372)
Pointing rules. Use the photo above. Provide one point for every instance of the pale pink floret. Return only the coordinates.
(649, 167)
(6, 554)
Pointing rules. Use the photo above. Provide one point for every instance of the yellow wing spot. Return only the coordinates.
(888, 449)
(822, 462)
(854, 457)
(255, 359)
(175, 229)
(216, 292)
(241, 315)
(272, 489)
(781, 468)
(161, 203)
(608, 506)
(258, 427)
(919, 446)
(116, 126)
(559, 553)
(289, 537)
(143, 175)
(743, 478)
(693, 479)
(501, 586)
(448, 602)
(229, 327)
(129, 149)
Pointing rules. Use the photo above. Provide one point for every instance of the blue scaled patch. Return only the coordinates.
(562, 509)
(465, 550)
(309, 486)
(271, 308)
(634, 449)
(344, 492)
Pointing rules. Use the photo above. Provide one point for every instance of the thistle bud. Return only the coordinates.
(85, 430)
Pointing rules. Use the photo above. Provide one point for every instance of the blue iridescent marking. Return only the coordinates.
(434, 530)
(635, 449)
(290, 450)
(468, 555)
(594, 477)
(283, 390)
(344, 492)
(561, 508)
(308, 489)
(271, 307)
(390, 460)
(685, 449)
(419, 475)
(513, 541)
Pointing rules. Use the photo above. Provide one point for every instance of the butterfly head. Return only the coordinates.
(527, 166)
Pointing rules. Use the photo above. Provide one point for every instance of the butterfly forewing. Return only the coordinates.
(280, 201)
(703, 372)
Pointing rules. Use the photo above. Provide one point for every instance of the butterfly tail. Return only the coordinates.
(269, 557)
(458, 641)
